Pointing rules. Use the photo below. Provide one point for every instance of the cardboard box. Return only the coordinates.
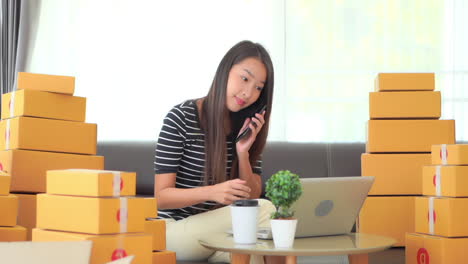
(46, 82)
(456, 154)
(390, 216)
(157, 228)
(10, 234)
(447, 218)
(27, 212)
(70, 252)
(395, 174)
(9, 210)
(166, 257)
(48, 135)
(106, 248)
(408, 135)
(424, 249)
(89, 214)
(445, 181)
(405, 82)
(29, 168)
(404, 105)
(44, 105)
(94, 183)
(5, 182)
(151, 207)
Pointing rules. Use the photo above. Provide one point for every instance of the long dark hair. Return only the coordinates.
(214, 109)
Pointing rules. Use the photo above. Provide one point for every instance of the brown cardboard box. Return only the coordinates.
(445, 181)
(5, 182)
(449, 216)
(390, 216)
(106, 248)
(9, 210)
(44, 105)
(404, 105)
(424, 249)
(29, 168)
(151, 207)
(455, 154)
(395, 174)
(46, 82)
(27, 212)
(48, 135)
(10, 234)
(405, 82)
(166, 257)
(157, 228)
(408, 135)
(89, 214)
(94, 183)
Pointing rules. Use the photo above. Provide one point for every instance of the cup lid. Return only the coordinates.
(245, 203)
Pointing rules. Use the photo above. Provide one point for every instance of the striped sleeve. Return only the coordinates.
(257, 167)
(170, 146)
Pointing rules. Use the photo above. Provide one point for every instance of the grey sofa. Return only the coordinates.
(306, 159)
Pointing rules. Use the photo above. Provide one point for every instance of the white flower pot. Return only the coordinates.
(283, 232)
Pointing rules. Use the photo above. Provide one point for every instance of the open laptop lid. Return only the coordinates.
(330, 206)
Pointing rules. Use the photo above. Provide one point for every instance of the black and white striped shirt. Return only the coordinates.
(181, 150)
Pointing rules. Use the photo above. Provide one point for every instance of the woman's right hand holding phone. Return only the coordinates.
(229, 191)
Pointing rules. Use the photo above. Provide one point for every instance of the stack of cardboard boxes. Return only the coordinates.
(442, 213)
(43, 128)
(96, 205)
(404, 124)
(9, 231)
(157, 228)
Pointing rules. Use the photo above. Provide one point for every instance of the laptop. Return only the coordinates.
(327, 206)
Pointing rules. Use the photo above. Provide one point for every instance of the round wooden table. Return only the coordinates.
(356, 245)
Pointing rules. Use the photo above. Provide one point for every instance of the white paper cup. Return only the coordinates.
(244, 221)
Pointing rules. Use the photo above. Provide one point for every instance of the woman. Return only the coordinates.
(200, 168)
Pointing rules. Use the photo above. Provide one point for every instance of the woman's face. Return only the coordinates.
(245, 83)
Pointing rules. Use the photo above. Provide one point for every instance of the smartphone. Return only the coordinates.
(247, 131)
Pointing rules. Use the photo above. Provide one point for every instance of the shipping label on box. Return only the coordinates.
(29, 168)
(90, 215)
(43, 105)
(157, 228)
(404, 105)
(445, 181)
(395, 174)
(405, 82)
(10, 234)
(454, 154)
(424, 249)
(442, 216)
(408, 135)
(106, 248)
(46, 82)
(95, 183)
(48, 135)
(390, 216)
(9, 210)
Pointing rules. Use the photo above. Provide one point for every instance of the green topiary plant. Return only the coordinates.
(283, 189)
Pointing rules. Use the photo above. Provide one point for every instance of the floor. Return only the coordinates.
(389, 256)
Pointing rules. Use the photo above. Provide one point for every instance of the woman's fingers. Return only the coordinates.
(240, 186)
(240, 194)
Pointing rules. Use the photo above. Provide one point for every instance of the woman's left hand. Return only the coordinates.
(245, 143)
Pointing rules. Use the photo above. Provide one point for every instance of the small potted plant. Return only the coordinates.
(283, 189)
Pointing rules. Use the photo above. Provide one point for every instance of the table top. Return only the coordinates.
(353, 243)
